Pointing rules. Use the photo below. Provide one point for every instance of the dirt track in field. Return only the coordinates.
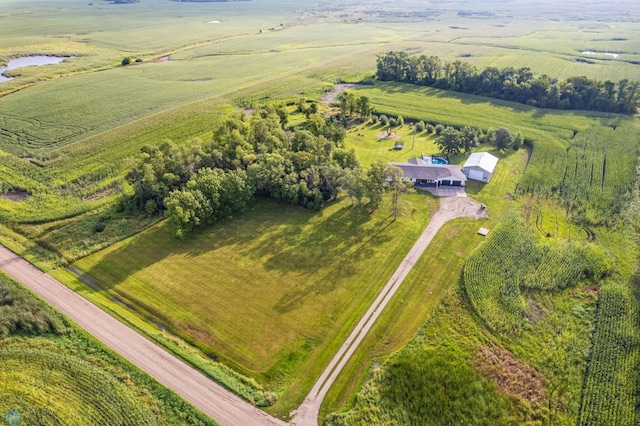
(211, 398)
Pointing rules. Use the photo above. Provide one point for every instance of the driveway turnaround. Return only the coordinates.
(211, 398)
(450, 208)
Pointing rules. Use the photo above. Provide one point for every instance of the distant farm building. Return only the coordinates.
(480, 166)
(423, 173)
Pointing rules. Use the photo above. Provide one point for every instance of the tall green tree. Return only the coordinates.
(513, 84)
(353, 181)
(186, 209)
(364, 106)
(398, 185)
(235, 192)
(346, 158)
(503, 138)
(374, 184)
(450, 141)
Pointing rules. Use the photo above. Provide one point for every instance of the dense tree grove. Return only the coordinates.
(350, 104)
(518, 85)
(201, 182)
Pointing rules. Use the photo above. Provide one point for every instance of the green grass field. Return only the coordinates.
(272, 291)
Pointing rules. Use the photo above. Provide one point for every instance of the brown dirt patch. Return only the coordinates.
(161, 59)
(15, 195)
(99, 195)
(592, 292)
(534, 313)
(332, 96)
(510, 374)
(386, 135)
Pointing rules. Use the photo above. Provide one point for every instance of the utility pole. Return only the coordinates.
(415, 127)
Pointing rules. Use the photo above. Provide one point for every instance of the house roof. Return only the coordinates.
(483, 160)
(417, 161)
(431, 171)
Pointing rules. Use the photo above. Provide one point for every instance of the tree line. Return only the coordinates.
(201, 182)
(452, 141)
(511, 84)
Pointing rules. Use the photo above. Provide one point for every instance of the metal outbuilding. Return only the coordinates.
(480, 166)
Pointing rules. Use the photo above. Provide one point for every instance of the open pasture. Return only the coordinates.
(147, 27)
(560, 50)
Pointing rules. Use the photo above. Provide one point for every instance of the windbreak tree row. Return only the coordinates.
(517, 85)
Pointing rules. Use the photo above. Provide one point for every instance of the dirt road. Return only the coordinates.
(332, 96)
(211, 398)
(450, 208)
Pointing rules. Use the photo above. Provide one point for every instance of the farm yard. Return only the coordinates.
(260, 301)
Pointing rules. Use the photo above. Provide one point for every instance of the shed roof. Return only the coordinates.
(431, 171)
(483, 160)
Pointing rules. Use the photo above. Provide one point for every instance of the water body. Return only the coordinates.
(28, 61)
(588, 52)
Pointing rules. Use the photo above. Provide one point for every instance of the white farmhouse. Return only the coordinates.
(480, 166)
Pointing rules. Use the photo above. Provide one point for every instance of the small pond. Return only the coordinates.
(28, 61)
(588, 52)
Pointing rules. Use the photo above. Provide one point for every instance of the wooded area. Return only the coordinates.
(202, 182)
(511, 84)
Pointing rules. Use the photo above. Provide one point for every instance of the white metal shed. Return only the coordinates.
(480, 166)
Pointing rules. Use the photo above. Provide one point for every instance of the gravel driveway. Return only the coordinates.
(450, 208)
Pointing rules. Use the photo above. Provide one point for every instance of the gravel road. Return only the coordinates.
(211, 398)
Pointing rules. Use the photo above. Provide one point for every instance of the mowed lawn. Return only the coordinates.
(371, 147)
(266, 286)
